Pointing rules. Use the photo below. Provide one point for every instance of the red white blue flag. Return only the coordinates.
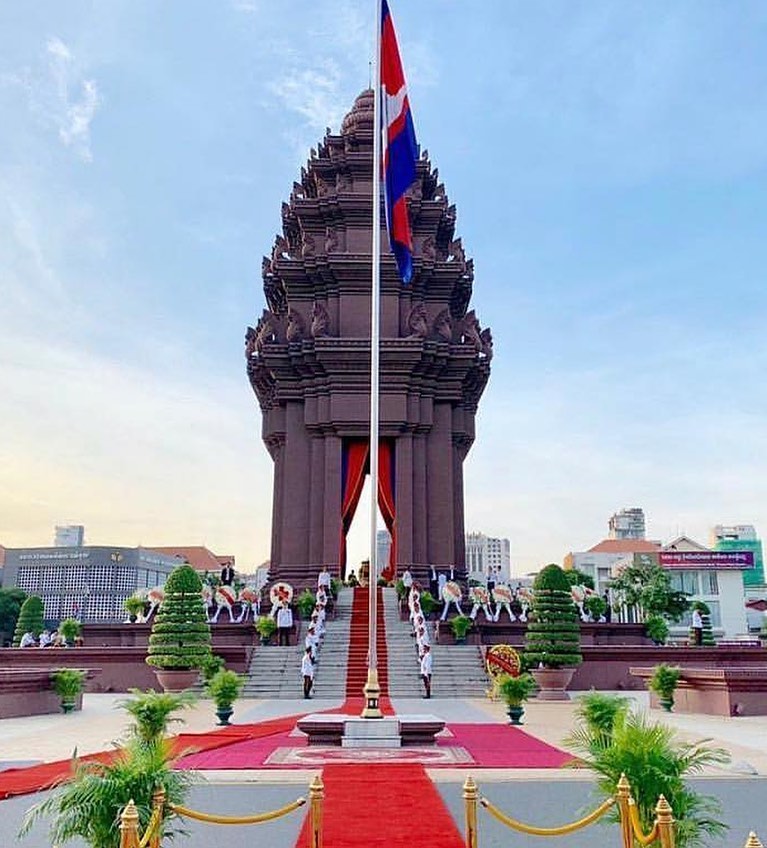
(399, 147)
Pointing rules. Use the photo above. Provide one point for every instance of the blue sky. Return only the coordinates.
(609, 165)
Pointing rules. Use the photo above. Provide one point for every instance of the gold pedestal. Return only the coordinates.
(372, 693)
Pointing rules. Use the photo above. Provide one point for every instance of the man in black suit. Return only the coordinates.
(227, 574)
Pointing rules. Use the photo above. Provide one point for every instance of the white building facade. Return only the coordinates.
(487, 556)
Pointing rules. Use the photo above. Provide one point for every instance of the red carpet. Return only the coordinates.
(35, 778)
(489, 745)
(358, 799)
(357, 669)
(503, 746)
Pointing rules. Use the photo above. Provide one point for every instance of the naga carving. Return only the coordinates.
(266, 330)
(443, 326)
(486, 337)
(307, 244)
(470, 332)
(320, 320)
(417, 322)
(250, 342)
(296, 326)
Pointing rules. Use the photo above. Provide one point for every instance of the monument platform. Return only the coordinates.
(330, 729)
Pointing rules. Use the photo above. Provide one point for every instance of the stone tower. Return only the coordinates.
(308, 361)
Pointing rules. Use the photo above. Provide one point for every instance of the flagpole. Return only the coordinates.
(372, 689)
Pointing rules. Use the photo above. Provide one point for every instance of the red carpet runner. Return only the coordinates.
(357, 669)
(383, 806)
(23, 781)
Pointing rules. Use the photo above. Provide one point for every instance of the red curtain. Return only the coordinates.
(355, 465)
(354, 468)
(386, 502)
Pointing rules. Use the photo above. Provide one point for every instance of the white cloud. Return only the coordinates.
(75, 101)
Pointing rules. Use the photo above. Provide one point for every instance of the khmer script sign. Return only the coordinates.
(712, 560)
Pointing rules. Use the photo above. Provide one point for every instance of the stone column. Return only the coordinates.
(403, 499)
(439, 487)
(331, 534)
(317, 503)
(419, 521)
(296, 491)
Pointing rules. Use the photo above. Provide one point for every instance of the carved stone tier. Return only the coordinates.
(308, 359)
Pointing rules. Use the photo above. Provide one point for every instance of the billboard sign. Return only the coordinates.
(707, 560)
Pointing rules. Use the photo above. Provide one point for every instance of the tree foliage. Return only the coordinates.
(10, 606)
(579, 578)
(30, 619)
(553, 633)
(648, 587)
(180, 637)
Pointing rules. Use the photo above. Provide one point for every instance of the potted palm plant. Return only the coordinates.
(224, 688)
(553, 637)
(657, 629)
(86, 807)
(266, 627)
(460, 625)
(515, 691)
(663, 683)
(70, 628)
(180, 637)
(134, 606)
(68, 685)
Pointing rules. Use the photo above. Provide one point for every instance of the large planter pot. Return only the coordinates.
(223, 714)
(176, 680)
(552, 682)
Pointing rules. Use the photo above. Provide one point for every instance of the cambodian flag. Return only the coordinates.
(400, 147)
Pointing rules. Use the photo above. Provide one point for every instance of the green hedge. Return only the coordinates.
(180, 637)
(553, 633)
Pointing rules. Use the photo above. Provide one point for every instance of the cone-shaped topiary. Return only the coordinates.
(553, 636)
(30, 619)
(180, 637)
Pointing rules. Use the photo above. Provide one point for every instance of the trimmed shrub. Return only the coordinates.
(180, 637)
(30, 619)
(554, 633)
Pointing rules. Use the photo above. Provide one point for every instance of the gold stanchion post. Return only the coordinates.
(753, 841)
(664, 817)
(129, 826)
(470, 794)
(316, 796)
(158, 814)
(623, 795)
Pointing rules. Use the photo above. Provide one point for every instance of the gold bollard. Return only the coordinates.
(623, 795)
(753, 841)
(664, 818)
(316, 796)
(158, 815)
(129, 826)
(470, 794)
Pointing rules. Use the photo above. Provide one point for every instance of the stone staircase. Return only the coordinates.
(404, 676)
(458, 671)
(275, 672)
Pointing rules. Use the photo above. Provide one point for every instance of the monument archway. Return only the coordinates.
(308, 361)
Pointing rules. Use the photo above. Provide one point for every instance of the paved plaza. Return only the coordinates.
(544, 796)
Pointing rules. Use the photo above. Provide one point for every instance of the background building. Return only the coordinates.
(627, 524)
(714, 577)
(486, 553)
(69, 536)
(89, 583)
(383, 547)
(199, 557)
(741, 537)
(598, 562)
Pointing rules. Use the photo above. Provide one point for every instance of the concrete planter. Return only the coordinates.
(553, 682)
(176, 680)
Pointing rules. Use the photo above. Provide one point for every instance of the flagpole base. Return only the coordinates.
(372, 693)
